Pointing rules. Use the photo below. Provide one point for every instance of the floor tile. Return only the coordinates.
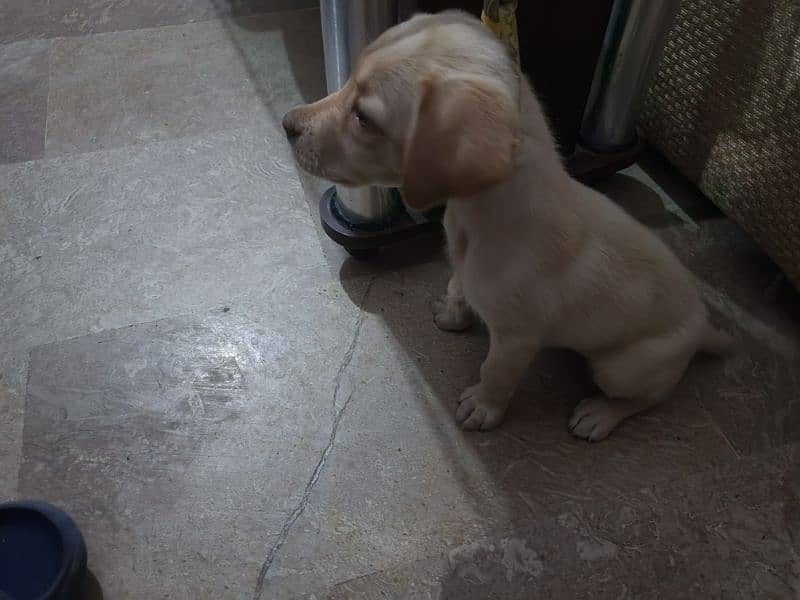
(135, 87)
(25, 19)
(732, 531)
(106, 239)
(182, 446)
(23, 99)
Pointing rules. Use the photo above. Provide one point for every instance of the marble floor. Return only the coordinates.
(230, 407)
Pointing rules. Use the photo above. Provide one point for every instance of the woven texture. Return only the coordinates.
(725, 110)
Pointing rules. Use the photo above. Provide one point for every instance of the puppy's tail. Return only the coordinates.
(715, 341)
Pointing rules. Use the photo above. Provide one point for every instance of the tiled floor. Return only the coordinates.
(231, 408)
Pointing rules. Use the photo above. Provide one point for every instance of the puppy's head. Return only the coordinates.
(431, 108)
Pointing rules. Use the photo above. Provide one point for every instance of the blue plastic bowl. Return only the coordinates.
(42, 552)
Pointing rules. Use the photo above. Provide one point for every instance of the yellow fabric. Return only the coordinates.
(501, 17)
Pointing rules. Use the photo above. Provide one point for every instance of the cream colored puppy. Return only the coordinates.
(435, 107)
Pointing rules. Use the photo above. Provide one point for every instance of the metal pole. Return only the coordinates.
(634, 42)
(348, 26)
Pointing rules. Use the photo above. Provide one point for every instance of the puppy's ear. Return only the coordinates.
(461, 140)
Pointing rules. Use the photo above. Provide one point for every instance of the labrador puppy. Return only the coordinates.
(436, 107)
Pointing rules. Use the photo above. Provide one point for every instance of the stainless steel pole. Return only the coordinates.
(633, 45)
(348, 26)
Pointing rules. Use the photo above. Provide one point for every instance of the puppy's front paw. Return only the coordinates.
(476, 411)
(594, 418)
(449, 316)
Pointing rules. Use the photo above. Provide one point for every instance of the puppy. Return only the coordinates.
(435, 106)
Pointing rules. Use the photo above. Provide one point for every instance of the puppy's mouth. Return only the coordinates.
(310, 163)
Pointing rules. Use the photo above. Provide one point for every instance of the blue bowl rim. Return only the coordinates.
(72, 543)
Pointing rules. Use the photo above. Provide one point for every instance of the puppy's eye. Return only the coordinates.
(362, 119)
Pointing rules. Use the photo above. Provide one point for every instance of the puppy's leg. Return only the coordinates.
(633, 380)
(452, 313)
(483, 406)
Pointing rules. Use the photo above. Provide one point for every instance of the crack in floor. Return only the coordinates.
(348, 356)
(323, 459)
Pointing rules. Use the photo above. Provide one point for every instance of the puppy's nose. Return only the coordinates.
(291, 125)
